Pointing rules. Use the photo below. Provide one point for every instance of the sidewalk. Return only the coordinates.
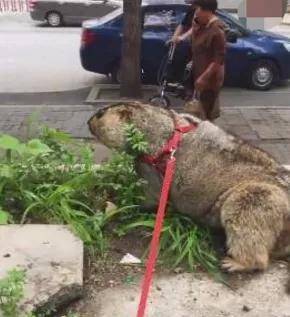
(267, 128)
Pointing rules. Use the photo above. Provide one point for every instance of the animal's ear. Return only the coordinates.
(126, 114)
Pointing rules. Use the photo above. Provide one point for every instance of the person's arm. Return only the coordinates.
(186, 35)
(183, 26)
(178, 32)
(219, 49)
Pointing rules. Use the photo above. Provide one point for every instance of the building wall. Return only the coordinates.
(261, 14)
(257, 14)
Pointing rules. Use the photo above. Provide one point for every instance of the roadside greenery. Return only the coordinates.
(11, 293)
(53, 179)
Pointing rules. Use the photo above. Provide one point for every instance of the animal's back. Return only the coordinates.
(210, 162)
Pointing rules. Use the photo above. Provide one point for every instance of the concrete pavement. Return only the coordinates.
(268, 128)
(230, 97)
(52, 258)
(196, 295)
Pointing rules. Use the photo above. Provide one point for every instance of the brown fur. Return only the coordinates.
(220, 181)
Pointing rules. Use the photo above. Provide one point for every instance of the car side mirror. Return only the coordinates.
(232, 36)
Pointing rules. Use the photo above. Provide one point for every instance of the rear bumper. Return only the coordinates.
(95, 61)
(91, 63)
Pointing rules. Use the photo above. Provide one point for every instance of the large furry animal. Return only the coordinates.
(220, 181)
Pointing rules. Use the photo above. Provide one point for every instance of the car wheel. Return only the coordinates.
(263, 75)
(159, 101)
(54, 19)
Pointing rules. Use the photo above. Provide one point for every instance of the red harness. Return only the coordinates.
(165, 163)
(168, 149)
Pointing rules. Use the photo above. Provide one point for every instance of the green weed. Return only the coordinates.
(11, 293)
(50, 179)
(182, 241)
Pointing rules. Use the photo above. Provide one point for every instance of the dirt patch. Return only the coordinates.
(102, 275)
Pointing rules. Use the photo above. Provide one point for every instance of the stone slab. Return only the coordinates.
(52, 257)
(187, 295)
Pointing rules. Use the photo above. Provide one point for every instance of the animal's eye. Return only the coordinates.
(100, 113)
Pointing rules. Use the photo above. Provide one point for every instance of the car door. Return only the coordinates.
(159, 23)
(71, 10)
(237, 61)
(99, 8)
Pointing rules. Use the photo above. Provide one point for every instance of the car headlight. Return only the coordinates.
(286, 46)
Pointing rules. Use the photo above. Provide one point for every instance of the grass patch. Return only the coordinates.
(11, 293)
(182, 241)
(39, 184)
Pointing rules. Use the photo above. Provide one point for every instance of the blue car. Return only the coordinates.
(257, 59)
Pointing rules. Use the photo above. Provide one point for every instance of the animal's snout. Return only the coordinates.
(92, 123)
(95, 117)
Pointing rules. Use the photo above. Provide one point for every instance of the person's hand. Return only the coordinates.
(176, 39)
(200, 84)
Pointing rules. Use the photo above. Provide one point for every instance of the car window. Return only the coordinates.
(166, 18)
(234, 24)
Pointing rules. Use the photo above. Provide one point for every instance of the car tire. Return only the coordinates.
(54, 19)
(263, 75)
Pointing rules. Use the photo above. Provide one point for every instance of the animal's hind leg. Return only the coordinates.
(253, 216)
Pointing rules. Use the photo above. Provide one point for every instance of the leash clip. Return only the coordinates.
(173, 151)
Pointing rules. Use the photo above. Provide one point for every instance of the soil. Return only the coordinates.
(107, 272)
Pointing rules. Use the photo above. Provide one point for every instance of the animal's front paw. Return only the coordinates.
(231, 266)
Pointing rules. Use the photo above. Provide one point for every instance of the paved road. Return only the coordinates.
(36, 58)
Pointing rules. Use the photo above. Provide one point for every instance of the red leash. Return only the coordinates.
(156, 235)
(168, 149)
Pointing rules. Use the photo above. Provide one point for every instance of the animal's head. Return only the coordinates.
(107, 125)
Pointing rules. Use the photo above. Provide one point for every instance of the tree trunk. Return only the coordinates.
(285, 6)
(131, 50)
